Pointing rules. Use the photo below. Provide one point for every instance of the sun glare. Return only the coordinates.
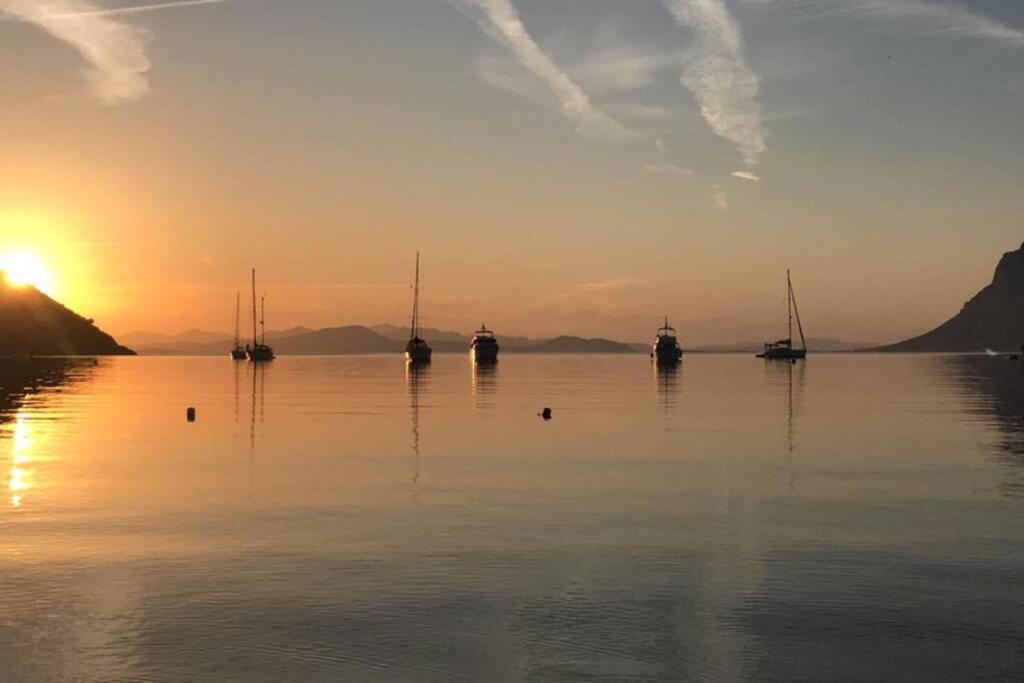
(23, 269)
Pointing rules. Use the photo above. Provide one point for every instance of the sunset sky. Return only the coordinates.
(564, 166)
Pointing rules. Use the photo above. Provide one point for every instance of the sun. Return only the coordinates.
(24, 269)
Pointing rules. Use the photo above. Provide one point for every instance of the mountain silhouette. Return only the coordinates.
(992, 319)
(33, 323)
(357, 339)
(570, 344)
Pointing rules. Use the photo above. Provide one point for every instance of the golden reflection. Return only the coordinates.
(485, 376)
(667, 378)
(21, 476)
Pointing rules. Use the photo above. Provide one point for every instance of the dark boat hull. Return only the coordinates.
(667, 356)
(417, 351)
(783, 354)
(485, 353)
(238, 354)
(260, 354)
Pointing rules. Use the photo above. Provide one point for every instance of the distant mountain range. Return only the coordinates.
(814, 345)
(992, 319)
(32, 323)
(357, 339)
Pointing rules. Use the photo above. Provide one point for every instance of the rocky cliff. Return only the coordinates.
(992, 319)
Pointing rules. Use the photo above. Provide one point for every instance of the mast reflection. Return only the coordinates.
(258, 391)
(416, 375)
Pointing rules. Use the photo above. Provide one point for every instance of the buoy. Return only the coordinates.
(191, 414)
(546, 413)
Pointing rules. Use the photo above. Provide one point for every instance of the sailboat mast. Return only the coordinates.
(414, 331)
(789, 305)
(263, 320)
(238, 307)
(799, 325)
(254, 307)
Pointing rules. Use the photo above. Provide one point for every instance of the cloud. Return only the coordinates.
(115, 51)
(719, 198)
(661, 146)
(719, 77)
(499, 19)
(623, 67)
(666, 169)
(929, 18)
(746, 175)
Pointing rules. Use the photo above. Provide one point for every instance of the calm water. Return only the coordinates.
(335, 519)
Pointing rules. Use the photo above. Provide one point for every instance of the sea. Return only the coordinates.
(848, 517)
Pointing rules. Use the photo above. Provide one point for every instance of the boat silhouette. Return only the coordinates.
(666, 350)
(783, 349)
(417, 350)
(259, 351)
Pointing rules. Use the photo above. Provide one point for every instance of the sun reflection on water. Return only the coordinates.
(21, 476)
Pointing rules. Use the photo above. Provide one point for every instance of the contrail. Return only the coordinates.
(501, 20)
(926, 17)
(138, 9)
(719, 77)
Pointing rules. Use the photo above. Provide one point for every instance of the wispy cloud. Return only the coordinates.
(926, 17)
(719, 77)
(114, 50)
(666, 169)
(623, 66)
(746, 175)
(719, 198)
(500, 19)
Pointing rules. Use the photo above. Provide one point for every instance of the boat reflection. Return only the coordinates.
(416, 375)
(666, 377)
(258, 385)
(485, 383)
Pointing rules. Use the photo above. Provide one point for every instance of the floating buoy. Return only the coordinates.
(546, 413)
(190, 414)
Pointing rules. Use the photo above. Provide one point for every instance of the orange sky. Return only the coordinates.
(326, 143)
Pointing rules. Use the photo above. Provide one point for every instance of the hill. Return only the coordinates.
(814, 345)
(992, 319)
(569, 344)
(33, 323)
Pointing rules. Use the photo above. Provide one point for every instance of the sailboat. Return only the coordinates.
(238, 352)
(417, 350)
(783, 349)
(666, 347)
(259, 351)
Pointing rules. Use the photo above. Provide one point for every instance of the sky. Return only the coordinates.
(564, 166)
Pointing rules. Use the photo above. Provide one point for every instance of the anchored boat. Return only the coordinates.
(417, 350)
(484, 346)
(666, 348)
(259, 351)
(783, 349)
(238, 352)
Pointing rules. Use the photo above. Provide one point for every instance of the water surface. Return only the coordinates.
(850, 517)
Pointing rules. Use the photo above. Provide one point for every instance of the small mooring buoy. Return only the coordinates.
(546, 413)
(190, 414)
